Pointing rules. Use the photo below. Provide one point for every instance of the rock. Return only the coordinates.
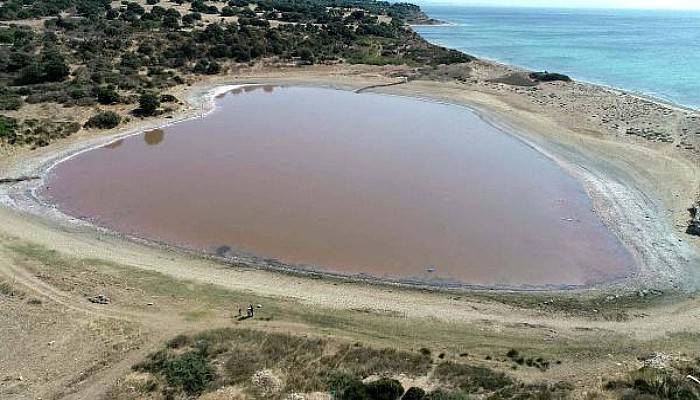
(99, 299)
(656, 360)
(266, 383)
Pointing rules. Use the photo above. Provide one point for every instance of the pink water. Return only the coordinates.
(351, 183)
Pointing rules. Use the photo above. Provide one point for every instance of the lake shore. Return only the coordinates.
(158, 292)
(623, 179)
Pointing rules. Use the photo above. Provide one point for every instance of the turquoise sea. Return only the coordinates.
(655, 53)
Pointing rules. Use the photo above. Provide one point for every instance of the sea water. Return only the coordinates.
(652, 52)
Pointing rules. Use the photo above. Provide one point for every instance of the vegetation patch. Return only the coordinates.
(281, 364)
(34, 132)
(103, 120)
(470, 378)
(190, 372)
(9, 289)
(549, 77)
(674, 382)
(534, 362)
(308, 365)
(89, 52)
(515, 79)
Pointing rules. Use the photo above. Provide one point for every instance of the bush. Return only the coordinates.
(549, 77)
(10, 101)
(384, 389)
(54, 66)
(104, 120)
(107, 95)
(8, 126)
(148, 103)
(306, 55)
(662, 384)
(470, 378)
(191, 372)
(414, 393)
(228, 11)
(352, 389)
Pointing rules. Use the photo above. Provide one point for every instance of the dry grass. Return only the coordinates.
(10, 289)
(304, 365)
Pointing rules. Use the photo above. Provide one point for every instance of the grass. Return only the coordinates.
(470, 378)
(303, 364)
(9, 289)
(659, 383)
(307, 364)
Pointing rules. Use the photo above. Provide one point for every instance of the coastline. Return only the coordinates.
(642, 94)
(201, 102)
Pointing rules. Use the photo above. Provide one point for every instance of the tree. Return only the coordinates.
(30, 75)
(53, 66)
(148, 103)
(135, 8)
(306, 55)
(107, 95)
(228, 11)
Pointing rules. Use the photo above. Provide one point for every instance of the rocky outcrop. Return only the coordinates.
(694, 222)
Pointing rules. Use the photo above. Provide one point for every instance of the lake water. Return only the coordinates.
(352, 183)
(653, 52)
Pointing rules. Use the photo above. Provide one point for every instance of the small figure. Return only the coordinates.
(251, 311)
(240, 311)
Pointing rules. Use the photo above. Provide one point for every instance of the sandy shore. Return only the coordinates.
(640, 192)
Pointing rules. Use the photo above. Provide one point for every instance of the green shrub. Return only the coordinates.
(228, 11)
(148, 103)
(103, 120)
(10, 100)
(107, 95)
(384, 389)
(350, 388)
(191, 372)
(470, 378)
(414, 393)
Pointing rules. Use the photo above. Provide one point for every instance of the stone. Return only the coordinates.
(99, 299)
